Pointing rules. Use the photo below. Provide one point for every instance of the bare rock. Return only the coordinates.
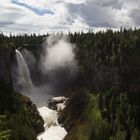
(57, 103)
(34, 115)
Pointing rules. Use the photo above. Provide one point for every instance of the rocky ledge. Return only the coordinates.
(57, 103)
(34, 116)
(73, 109)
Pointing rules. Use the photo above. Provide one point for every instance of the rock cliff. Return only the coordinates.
(22, 115)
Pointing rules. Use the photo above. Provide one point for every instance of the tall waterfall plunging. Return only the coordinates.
(23, 80)
(23, 83)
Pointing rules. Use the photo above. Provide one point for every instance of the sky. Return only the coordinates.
(45, 16)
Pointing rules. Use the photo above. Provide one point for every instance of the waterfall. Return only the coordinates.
(23, 80)
(23, 84)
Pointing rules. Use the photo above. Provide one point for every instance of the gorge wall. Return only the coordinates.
(21, 116)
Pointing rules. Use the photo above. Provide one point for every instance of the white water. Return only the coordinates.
(23, 79)
(53, 131)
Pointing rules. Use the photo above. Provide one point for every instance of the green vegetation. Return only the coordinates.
(15, 124)
(120, 113)
(90, 124)
(107, 47)
(5, 133)
(109, 65)
(108, 116)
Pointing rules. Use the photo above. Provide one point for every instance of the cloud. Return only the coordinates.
(106, 14)
(136, 16)
(35, 10)
(41, 16)
(133, 10)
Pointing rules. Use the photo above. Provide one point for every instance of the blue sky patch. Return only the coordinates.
(37, 11)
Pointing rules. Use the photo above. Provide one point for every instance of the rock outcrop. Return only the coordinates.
(57, 103)
(33, 113)
(22, 115)
(6, 57)
(74, 108)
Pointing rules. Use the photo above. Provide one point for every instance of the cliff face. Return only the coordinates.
(130, 70)
(23, 118)
(6, 91)
(5, 66)
(99, 76)
(31, 109)
(74, 108)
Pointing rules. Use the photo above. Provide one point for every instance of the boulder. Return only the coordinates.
(57, 103)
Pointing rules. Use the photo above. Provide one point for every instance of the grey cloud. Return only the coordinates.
(107, 13)
(5, 23)
(9, 15)
(93, 15)
(135, 15)
(115, 4)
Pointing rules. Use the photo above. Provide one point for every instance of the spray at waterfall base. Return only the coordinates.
(48, 75)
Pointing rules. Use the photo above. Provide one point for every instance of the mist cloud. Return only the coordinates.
(59, 54)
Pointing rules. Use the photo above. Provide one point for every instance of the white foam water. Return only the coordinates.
(53, 131)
